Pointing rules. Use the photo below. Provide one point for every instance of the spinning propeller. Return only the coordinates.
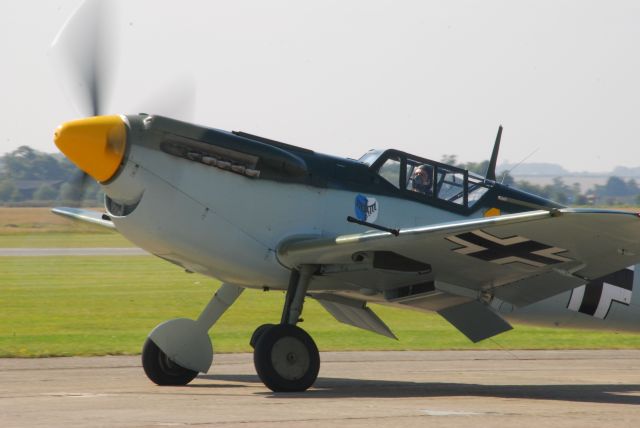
(84, 54)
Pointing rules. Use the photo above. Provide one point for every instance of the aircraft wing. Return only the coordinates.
(519, 258)
(87, 216)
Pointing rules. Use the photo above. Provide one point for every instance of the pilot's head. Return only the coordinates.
(421, 179)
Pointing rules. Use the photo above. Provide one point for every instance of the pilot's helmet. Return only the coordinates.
(421, 178)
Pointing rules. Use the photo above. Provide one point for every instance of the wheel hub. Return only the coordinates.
(290, 358)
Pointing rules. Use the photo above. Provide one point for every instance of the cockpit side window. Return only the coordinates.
(451, 185)
(432, 179)
(390, 171)
(477, 189)
(429, 181)
(419, 177)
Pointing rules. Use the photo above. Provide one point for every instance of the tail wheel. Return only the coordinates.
(286, 358)
(161, 369)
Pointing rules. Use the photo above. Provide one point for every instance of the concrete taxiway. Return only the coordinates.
(382, 389)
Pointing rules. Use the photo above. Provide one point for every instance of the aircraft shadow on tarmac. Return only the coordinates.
(338, 388)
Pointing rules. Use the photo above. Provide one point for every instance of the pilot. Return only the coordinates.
(422, 180)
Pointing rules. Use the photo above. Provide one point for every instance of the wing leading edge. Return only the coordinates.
(520, 258)
(87, 216)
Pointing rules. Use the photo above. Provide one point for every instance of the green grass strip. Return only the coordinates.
(63, 306)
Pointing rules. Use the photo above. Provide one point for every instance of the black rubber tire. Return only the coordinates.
(161, 370)
(257, 333)
(286, 359)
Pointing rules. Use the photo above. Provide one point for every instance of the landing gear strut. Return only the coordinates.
(285, 356)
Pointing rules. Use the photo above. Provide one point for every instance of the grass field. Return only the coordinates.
(56, 306)
(39, 227)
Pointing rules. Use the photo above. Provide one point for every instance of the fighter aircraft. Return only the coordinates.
(391, 228)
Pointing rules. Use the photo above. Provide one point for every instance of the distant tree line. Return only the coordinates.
(616, 191)
(29, 177)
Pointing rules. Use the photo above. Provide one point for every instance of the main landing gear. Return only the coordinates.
(285, 356)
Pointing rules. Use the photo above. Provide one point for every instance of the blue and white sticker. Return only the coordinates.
(366, 209)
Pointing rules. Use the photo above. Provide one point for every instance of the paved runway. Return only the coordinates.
(515, 389)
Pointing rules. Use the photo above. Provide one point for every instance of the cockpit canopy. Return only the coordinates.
(426, 180)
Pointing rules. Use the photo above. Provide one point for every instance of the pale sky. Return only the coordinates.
(341, 77)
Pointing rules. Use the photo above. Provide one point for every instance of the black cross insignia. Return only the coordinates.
(513, 249)
(596, 297)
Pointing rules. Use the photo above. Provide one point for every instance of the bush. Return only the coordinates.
(7, 190)
(45, 193)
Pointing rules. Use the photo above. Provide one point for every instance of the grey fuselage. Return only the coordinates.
(220, 203)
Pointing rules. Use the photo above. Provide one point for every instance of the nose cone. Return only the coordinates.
(96, 145)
